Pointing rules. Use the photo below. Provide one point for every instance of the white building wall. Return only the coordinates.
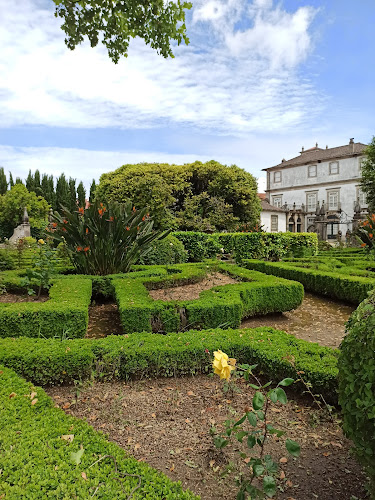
(265, 220)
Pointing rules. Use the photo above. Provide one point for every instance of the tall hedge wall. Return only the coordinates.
(272, 246)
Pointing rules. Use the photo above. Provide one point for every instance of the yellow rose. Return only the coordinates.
(41, 242)
(223, 365)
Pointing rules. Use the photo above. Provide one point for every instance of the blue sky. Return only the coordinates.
(259, 80)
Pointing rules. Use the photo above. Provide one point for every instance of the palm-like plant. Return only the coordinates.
(104, 239)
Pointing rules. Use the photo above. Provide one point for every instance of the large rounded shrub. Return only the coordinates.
(170, 250)
(357, 384)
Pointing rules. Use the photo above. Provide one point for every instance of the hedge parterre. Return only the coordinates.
(336, 284)
(221, 306)
(48, 454)
(277, 354)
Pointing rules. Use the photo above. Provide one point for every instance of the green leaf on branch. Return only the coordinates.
(258, 470)
(220, 442)
(286, 382)
(251, 441)
(258, 401)
(273, 396)
(269, 486)
(240, 435)
(252, 418)
(281, 396)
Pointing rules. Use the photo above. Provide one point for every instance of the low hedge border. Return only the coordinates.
(221, 306)
(37, 463)
(352, 289)
(52, 361)
(65, 313)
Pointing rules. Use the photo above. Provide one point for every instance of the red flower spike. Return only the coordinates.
(101, 205)
(79, 249)
(87, 230)
(54, 224)
(86, 249)
(81, 210)
(127, 228)
(100, 211)
(137, 228)
(111, 219)
(65, 221)
(143, 218)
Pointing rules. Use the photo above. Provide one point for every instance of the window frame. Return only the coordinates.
(315, 194)
(332, 192)
(331, 163)
(276, 196)
(358, 197)
(274, 176)
(308, 171)
(273, 218)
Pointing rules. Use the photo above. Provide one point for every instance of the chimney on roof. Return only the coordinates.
(327, 146)
(282, 161)
(302, 150)
(351, 143)
(316, 144)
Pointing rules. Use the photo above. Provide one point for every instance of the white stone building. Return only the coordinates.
(320, 189)
(272, 219)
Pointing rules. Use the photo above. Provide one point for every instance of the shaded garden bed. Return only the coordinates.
(166, 424)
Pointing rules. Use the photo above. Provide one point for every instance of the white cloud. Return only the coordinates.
(212, 84)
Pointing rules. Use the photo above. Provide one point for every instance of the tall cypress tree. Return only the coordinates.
(62, 193)
(11, 181)
(3, 181)
(52, 192)
(92, 191)
(30, 182)
(73, 194)
(81, 193)
(19, 180)
(37, 186)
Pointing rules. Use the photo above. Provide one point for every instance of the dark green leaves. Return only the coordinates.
(269, 486)
(286, 382)
(281, 396)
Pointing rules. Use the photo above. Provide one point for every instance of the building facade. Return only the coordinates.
(272, 219)
(320, 190)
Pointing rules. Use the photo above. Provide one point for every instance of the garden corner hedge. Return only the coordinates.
(48, 454)
(65, 313)
(337, 285)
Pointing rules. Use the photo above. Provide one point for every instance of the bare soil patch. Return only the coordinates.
(104, 319)
(16, 297)
(166, 422)
(318, 319)
(191, 292)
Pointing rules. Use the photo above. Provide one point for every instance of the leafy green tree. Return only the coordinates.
(11, 181)
(19, 180)
(37, 186)
(12, 205)
(368, 175)
(157, 22)
(3, 181)
(197, 196)
(92, 191)
(81, 195)
(62, 193)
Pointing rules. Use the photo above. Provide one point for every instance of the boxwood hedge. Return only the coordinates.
(222, 306)
(278, 354)
(334, 284)
(38, 463)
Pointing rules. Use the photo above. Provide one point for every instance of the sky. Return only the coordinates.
(259, 80)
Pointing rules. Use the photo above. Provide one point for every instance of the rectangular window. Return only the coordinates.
(361, 196)
(311, 202)
(311, 170)
(274, 223)
(277, 176)
(334, 167)
(277, 201)
(333, 200)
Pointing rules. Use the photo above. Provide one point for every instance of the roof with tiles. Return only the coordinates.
(317, 154)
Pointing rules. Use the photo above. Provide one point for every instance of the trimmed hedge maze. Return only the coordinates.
(47, 454)
(277, 354)
(66, 312)
(315, 277)
(221, 306)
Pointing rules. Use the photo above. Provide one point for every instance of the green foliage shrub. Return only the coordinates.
(324, 282)
(357, 382)
(37, 463)
(278, 354)
(6, 260)
(255, 245)
(169, 250)
(65, 313)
